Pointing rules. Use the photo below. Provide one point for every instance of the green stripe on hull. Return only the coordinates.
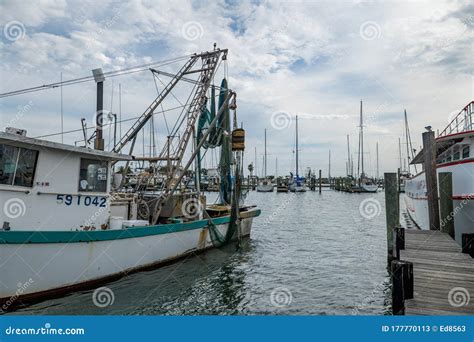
(25, 237)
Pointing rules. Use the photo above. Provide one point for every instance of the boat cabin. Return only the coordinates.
(47, 186)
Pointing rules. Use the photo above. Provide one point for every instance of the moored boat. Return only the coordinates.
(454, 148)
(66, 224)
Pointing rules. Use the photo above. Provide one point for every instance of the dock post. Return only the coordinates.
(399, 241)
(391, 208)
(402, 285)
(446, 202)
(429, 154)
(320, 180)
(468, 244)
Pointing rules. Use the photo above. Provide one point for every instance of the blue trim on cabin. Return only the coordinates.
(27, 237)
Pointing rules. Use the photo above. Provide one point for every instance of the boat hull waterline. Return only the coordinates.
(37, 264)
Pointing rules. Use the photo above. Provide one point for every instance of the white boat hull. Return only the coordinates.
(463, 198)
(265, 188)
(369, 187)
(50, 267)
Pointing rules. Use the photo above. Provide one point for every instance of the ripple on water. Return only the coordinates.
(316, 254)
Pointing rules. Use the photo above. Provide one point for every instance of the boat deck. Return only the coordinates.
(443, 275)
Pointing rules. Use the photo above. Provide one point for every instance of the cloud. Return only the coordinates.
(301, 58)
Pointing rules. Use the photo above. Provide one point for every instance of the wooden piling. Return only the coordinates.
(391, 208)
(429, 154)
(398, 241)
(402, 285)
(446, 203)
(320, 181)
(467, 241)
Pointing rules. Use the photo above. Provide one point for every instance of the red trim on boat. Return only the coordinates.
(455, 163)
(453, 135)
(464, 197)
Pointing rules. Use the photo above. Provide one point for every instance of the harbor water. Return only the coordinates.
(309, 254)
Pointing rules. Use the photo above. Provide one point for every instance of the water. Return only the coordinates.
(309, 254)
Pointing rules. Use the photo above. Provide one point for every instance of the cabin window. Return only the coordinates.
(456, 155)
(465, 152)
(17, 165)
(93, 176)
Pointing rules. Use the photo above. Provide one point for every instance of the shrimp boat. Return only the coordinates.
(66, 224)
(454, 148)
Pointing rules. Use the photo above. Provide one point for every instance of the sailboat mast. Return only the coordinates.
(406, 141)
(348, 157)
(361, 140)
(377, 152)
(400, 153)
(265, 160)
(329, 168)
(297, 146)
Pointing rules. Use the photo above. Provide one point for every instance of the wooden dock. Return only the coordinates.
(443, 276)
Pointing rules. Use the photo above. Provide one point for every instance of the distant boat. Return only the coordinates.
(365, 183)
(265, 185)
(297, 183)
(282, 185)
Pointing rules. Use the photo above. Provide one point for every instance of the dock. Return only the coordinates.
(443, 276)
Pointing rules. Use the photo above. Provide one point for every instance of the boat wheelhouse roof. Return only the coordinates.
(22, 141)
(462, 126)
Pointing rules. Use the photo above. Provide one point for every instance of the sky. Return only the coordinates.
(316, 60)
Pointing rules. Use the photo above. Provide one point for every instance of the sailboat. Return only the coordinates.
(365, 184)
(265, 185)
(297, 183)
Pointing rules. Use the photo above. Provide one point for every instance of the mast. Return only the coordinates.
(400, 153)
(276, 167)
(406, 141)
(297, 146)
(377, 152)
(329, 168)
(256, 168)
(348, 157)
(265, 160)
(361, 142)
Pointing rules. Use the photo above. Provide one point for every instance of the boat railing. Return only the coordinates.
(462, 122)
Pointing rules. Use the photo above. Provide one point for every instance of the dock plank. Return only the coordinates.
(443, 275)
